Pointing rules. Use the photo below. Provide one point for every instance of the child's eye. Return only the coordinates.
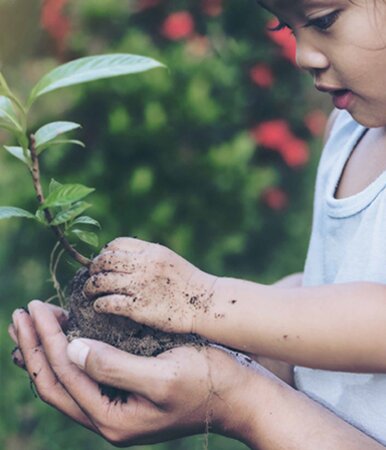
(324, 22)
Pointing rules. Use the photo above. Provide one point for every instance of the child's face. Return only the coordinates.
(342, 43)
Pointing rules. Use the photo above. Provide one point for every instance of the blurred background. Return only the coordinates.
(214, 157)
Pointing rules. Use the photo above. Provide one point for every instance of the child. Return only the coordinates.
(333, 327)
(338, 330)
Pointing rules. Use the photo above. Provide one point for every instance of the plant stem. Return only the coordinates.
(35, 171)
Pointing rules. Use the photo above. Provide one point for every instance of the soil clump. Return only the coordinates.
(121, 332)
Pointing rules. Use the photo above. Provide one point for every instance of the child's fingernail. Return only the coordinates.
(98, 305)
(78, 351)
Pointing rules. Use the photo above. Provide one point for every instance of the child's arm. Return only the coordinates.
(281, 369)
(337, 327)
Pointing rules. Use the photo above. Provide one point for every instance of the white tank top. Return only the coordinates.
(348, 243)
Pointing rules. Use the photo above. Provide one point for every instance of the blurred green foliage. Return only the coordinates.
(170, 153)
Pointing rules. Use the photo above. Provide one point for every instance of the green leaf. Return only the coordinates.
(3, 85)
(54, 185)
(51, 131)
(91, 68)
(70, 213)
(87, 236)
(86, 220)
(60, 141)
(6, 212)
(66, 194)
(40, 216)
(8, 116)
(18, 153)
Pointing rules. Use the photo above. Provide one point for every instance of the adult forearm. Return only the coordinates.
(336, 327)
(282, 418)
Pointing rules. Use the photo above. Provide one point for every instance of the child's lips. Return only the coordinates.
(342, 98)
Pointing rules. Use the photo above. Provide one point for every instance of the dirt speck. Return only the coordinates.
(193, 300)
(219, 316)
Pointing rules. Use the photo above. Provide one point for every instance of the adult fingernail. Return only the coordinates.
(15, 317)
(78, 351)
(17, 357)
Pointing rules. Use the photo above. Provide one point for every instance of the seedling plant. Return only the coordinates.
(63, 207)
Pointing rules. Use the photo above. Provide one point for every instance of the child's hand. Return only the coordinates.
(150, 284)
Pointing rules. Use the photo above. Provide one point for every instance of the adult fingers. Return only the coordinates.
(60, 314)
(110, 283)
(126, 244)
(117, 261)
(146, 376)
(12, 333)
(41, 374)
(17, 358)
(81, 388)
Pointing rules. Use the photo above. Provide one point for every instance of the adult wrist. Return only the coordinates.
(246, 405)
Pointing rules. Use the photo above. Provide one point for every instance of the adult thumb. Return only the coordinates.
(113, 367)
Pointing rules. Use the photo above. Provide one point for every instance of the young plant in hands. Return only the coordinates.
(63, 207)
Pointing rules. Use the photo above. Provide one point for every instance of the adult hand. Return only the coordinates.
(150, 284)
(176, 394)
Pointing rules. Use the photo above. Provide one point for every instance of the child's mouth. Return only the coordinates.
(342, 98)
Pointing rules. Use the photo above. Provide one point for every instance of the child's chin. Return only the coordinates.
(367, 120)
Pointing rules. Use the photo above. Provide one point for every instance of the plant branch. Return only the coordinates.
(35, 171)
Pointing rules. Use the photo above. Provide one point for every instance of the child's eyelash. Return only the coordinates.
(322, 23)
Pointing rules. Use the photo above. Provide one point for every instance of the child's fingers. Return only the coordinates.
(126, 244)
(41, 374)
(109, 283)
(114, 261)
(123, 305)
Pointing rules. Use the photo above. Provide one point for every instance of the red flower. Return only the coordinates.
(262, 75)
(55, 22)
(316, 122)
(276, 135)
(275, 198)
(212, 7)
(272, 134)
(178, 25)
(284, 39)
(295, 152)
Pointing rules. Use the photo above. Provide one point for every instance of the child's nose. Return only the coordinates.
(310, 57)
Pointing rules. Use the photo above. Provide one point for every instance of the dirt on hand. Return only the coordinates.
(121, 332)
